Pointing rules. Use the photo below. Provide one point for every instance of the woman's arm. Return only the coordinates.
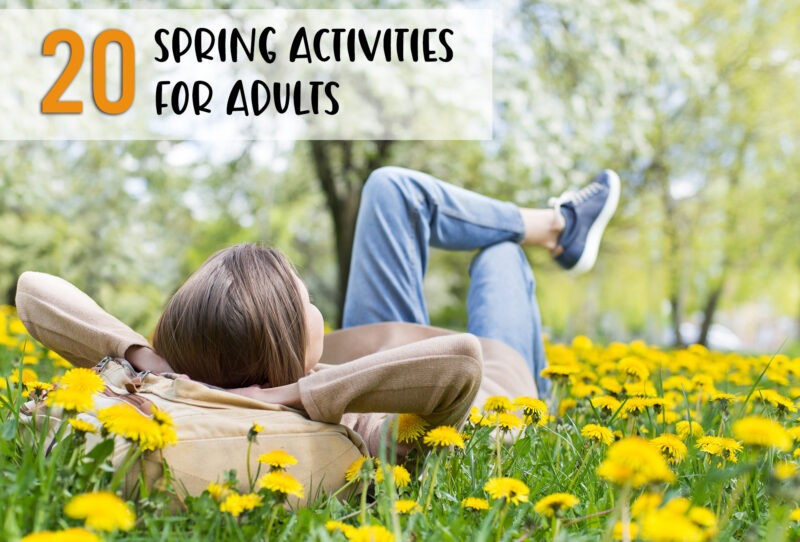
(66, 320)
(436, 378)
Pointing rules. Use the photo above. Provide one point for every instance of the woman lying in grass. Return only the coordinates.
(244, 321)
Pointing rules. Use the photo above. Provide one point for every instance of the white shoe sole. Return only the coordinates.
(595, 235)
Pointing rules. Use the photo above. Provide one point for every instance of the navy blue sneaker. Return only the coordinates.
(586, 214)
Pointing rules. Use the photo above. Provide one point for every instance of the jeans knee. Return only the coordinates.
(504, 256)
(383, 184)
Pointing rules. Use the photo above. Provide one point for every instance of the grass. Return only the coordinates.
(747, 493)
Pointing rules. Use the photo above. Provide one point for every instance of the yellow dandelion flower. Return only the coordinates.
(406, 506)
(586, 390)
(633, 531)
(278, 459)
(686, 428)
(124, 420)
(597, 433)
(83, 379)
(218, 491)
(724, 399)
(444, 436)
(634, 461)
(71, 399)
(82, 426)
(723, 447)
(667, 525)
(644, 503)
(611, 385)
(635, 406)
(235, 504)
(357, 468)
(510, 489)
(794, 516)
(581, 342)
(668, 416)
(253, 432)
(38, 387)
(27, 375)
(560, 373)
(161, 416)
(677, 382)
(606, 404)
(339, 526)
(633, 368)
(282, 482)
(475, 503)
(497, 403)
(762, 432)
(401, 476)
(555, 504)
(794, 432)
(370, 533)
(705, 519)
(566, 405)
(508, 421)
(475, 415)
(534, 409)
(703, 382)
(772, 397)
(410, 427)
(783, 470)
(672, 448)
(101, 510)
(74, 534)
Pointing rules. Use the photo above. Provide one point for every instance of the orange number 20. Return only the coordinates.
(52, 103)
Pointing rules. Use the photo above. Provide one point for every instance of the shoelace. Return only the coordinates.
(574, 197)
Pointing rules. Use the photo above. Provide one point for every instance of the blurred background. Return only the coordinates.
(694, 103)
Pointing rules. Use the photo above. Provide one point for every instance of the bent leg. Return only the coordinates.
(502, 305)
(402, 213)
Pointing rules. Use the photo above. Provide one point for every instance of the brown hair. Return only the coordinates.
(238, 320)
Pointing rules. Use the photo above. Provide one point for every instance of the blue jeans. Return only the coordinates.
(403, 213)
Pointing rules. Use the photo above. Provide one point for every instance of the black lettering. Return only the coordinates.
(329, 93)
(160, 103)
(401, 32)
(281, 106)
(318, 45)
(237, 92)
(428, 53)
(201, 107)
(298, 99)
(258, 107)
(177, 50)
(203, 53)
(263, 49)
(164, 51)
(300, 40)
(369, 51)
(448, 51)
(180, 97)
(337, 43)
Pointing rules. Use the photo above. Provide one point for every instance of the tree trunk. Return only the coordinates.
(342, 168)
(709, 310)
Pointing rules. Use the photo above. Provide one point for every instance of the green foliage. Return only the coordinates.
(693, 102)
(550, 454)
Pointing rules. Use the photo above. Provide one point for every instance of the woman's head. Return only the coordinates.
(243, 318)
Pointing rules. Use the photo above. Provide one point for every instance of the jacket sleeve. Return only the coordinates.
(436, 379)
(66, 320)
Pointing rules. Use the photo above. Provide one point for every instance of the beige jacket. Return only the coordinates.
(365, 372)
